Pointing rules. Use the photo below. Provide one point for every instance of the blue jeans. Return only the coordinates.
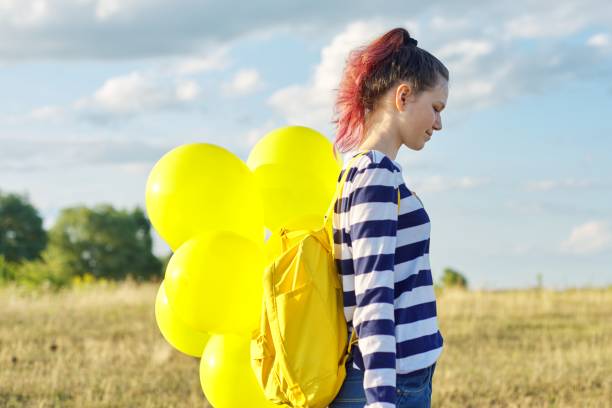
(412, 390)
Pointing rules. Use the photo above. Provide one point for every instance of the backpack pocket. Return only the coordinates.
(262, 358)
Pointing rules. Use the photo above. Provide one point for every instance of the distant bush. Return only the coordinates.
(453, 279)
(7, 270)
(48, 271)
(87, 280)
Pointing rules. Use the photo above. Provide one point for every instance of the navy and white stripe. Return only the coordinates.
(383, 258)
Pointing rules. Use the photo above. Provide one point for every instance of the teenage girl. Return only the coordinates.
(391, 95)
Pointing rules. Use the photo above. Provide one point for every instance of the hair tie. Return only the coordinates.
(410, 41)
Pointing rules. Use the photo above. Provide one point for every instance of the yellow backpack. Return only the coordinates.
(300, 351)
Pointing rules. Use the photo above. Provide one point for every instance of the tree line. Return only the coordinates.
(99, 243)
(102, 242)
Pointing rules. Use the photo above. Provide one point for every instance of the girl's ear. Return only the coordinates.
(402, 94)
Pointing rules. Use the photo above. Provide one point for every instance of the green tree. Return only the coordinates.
(452, 278)
(22, 236)
(165, 259)
(106, 242)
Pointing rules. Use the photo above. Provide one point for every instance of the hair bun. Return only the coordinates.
(406, 39)
(410, 41)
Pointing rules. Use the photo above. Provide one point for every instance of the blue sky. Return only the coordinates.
(517, 183)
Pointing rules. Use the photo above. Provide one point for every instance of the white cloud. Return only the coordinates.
(246, 81)
(215, 59)
(312, 104)
(471, 85)
(123, 97)
(465, 50)
(132, 94)
(105, 28)
(588, 238)
(84, 29)
(487, 65)
(187, 90)
(160, 87)
(600, 40)
(107, 8)
(25, 14)
(125, 93)
(487, 68)
(564, 18)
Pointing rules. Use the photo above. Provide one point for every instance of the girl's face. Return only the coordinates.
(418, 117)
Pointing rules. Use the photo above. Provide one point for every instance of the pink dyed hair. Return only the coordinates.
(370, 71)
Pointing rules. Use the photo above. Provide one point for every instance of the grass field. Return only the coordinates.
(99, 346)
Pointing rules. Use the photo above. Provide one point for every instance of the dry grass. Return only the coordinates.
(96, 347)
(525, 349)
(100, 347)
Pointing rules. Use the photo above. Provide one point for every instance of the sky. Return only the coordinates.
(517, 183)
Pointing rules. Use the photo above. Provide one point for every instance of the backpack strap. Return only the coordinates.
(339, 186)
(352, 340)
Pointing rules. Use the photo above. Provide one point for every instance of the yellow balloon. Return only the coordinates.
(279, 147)
(201, 186)
(226, 376)
(296, 170)
(180, 336)
(214, 282)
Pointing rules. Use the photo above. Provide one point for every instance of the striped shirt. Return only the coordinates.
(383, 258)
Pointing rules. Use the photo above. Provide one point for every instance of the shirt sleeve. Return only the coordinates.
(373, 229)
